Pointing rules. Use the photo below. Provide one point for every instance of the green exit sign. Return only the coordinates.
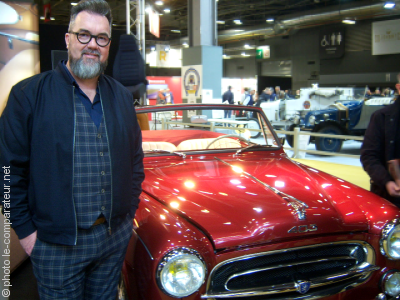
(263, 52)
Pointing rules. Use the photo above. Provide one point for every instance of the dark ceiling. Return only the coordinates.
(288, 14)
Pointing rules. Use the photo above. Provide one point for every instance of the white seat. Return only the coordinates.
(158, 146)
(199, 144)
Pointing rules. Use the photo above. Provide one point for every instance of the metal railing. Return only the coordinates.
(296, 142)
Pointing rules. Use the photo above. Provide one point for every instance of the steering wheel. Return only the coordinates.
(228, 136)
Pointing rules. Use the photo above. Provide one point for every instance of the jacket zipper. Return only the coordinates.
(109, 155)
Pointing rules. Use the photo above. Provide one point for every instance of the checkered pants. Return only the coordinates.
(89, 270)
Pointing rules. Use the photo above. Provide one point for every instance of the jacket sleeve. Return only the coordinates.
(373, 156)
(15, 130)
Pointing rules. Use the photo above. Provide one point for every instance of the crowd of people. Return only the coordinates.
(251, 97)
(386, 92)
(165, 97)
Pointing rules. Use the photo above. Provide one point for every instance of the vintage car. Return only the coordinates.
(227, 215)
(347, 118)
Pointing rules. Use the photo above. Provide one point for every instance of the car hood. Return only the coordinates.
(252, 199)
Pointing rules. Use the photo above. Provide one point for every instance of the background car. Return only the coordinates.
(227, 215)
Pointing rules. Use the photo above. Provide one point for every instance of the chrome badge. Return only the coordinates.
(302, 286)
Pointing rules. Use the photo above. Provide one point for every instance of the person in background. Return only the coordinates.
(244, 96)
(169, 97)
(74, 149)
(228, 98)
(274, 96)
(382, 144)
(248, 100)
(160, 97)
(264, 97)
(297, 96)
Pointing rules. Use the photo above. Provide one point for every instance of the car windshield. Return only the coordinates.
(172, 128)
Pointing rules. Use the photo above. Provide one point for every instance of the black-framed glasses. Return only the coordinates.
(84, 38)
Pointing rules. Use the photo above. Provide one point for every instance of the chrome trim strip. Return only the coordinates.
(363, 271)
(292, 287)
(144, 245)
(298, 206)
(314, 261)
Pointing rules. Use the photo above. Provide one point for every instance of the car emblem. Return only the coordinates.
(302, 286)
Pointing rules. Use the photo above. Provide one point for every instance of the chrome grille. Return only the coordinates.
(325, 269)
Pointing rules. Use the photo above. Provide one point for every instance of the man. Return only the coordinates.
(169, 97)
(72, 145)
(227, 98)
(264, 97)
(381, 145)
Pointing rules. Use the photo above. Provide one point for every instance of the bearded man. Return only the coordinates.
(72, 148)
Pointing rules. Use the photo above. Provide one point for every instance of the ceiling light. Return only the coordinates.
(167, 10)
(185, 44)
(239, 30)
(74, 3)
(220, 22)
(270, 20)
(159, 3)
(237, 22)
(176, 31)
(167, 48)
(389, 5)
(153, 48)
(148, 9)
(351, 22)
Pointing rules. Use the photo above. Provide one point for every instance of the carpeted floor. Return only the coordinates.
(353, 174)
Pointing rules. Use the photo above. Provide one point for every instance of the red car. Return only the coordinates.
(225, 213)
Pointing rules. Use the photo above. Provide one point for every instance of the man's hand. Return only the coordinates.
(393, 189)
(28, 243)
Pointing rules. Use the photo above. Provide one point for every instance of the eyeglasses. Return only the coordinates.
(84, 38)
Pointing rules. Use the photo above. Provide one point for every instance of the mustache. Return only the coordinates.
(88, 51)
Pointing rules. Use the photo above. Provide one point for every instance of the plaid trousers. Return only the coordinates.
(89, 270)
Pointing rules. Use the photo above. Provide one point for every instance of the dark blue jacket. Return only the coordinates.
(37, 132)
(381, 144)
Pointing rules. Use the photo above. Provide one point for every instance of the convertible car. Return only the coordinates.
(225, 213)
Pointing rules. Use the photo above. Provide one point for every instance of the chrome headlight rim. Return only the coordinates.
(384, 241)
(168, 258)
(385, 279)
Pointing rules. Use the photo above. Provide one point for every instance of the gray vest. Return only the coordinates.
(92, 169)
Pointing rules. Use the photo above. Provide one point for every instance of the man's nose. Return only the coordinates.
(92, 43)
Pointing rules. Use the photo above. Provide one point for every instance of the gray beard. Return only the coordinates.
(89, 70)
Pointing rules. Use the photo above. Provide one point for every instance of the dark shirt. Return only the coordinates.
(94, 109)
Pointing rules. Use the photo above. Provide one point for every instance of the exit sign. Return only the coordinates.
(263, 52)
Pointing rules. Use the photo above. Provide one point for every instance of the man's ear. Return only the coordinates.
(67, 37)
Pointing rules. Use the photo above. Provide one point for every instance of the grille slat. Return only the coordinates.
(324, 266)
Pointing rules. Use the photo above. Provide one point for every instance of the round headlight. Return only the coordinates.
(390, 241)
(391, 283)
(181, 272)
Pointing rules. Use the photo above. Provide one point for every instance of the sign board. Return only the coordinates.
(331, 43)
(192, 81)
(154, 23)
(162, 56)
(386, 37)
(263, 52)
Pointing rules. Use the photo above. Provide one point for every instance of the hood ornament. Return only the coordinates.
(298, 206)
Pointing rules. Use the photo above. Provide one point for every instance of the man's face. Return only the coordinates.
(87, 60)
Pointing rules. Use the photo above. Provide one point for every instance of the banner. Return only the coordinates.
(386, 37)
